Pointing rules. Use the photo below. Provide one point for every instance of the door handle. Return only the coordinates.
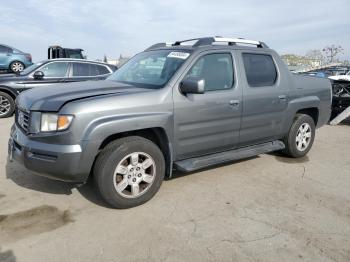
(234, 102)
(282, 97)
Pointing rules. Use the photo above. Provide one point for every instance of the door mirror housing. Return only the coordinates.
(192, 86)
(38, 75)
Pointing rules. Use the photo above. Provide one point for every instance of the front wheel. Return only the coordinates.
(129, 171)
(7, 105)
(301, 136)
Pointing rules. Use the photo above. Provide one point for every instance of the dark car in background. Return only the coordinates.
(46, 73)
(12, 59)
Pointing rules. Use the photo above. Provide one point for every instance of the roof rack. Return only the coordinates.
(211, 40)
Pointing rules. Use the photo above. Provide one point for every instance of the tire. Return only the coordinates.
(16, 67)
(7, 105)
(118, 167)
(294, 141)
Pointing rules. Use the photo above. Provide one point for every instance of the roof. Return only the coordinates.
(211, 42)
(77, 60)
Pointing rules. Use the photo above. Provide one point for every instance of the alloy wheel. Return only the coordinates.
(134, 175)
(303, 137)
(17, 67)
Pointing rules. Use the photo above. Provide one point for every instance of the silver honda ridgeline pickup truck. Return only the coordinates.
(186, 105)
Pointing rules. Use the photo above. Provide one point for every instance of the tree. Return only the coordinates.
(332, 51)
(294, 60)
(105, 59)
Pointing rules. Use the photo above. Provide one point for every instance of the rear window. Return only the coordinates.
(102, 70)
(260, 69)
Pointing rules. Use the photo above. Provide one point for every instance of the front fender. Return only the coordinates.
(101, 128)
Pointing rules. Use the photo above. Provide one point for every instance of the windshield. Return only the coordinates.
(31, 68)
(151, 69)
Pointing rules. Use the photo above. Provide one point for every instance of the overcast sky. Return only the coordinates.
(113, 27)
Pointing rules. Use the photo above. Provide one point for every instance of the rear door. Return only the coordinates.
(209, 122)
(265, 95)
(54, 72)
(82, 71)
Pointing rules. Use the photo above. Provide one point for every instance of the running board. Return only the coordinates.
(196, 163)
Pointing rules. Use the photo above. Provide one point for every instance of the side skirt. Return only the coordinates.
(196, 163)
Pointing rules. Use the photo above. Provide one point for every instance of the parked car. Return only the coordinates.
(182, 106)
(14, 60)
(46, 73)
(341, 95)
(340, 77)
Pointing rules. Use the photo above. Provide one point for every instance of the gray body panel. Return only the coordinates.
(194, 125)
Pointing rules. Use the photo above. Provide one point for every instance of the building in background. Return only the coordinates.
(117, 62)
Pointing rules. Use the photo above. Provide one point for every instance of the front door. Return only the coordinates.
(209, 122)
(54, 72)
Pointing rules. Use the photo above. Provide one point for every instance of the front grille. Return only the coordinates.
(23, 119)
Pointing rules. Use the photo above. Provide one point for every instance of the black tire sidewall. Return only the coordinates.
(108, 161)
(12, 105)
(291, 144)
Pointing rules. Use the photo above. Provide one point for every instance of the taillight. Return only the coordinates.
(29, 57)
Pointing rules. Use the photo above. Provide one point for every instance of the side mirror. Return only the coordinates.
(192, 86)
(38, 75)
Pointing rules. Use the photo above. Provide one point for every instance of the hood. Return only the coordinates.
(52, 98)
(10, 77)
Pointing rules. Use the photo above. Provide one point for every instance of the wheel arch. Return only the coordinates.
(16, 60)
(313, 112)
(307, 105)
(157, 135)
(8, 91)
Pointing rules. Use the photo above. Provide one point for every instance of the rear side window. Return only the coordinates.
(85, 69)
(81, 69)
(260, 70)
(102, 70)
(5, 49)
(215, 69)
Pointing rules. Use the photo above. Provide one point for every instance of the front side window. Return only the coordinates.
(151, 69)
(215, 69)
(260, 69)
(58, 69)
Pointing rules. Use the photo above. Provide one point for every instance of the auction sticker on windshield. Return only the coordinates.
(180, 55)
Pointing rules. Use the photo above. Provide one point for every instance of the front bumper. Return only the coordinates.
(61, 162)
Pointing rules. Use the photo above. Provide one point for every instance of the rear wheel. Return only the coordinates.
(301, 136)
(7, 105)
(129, 171)
(16, 66)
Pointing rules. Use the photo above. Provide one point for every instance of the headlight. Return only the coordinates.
(54, 122)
